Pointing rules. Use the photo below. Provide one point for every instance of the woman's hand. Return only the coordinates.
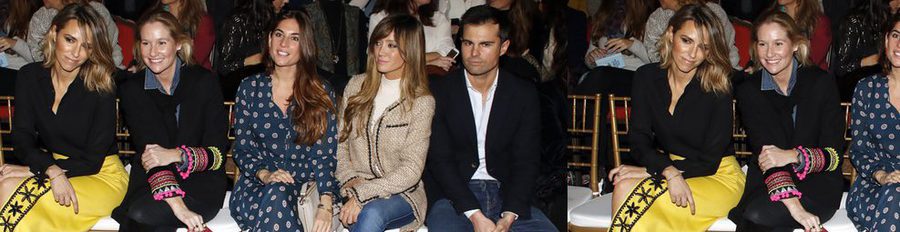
(592, 56)
(884, 178)
(6, 43)
(17, 171)
(809, 221)
(624, 172)
(773, 157)
(63, 192)
(350, 211)
(443, 62)
(618, 45)
(324, 214)
(156, 156)
(281, 176)
(193, 221)
(679, 191)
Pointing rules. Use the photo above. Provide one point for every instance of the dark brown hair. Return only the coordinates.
(636, 14)
(808, 12)
(313, 103)
(395, 7)
(20, 12)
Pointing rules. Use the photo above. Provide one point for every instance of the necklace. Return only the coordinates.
(336, 38)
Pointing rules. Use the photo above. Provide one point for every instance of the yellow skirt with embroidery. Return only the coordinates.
(649, 208)
(33, 208)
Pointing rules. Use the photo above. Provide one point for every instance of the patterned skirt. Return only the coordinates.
(649, 208)
(32, 206)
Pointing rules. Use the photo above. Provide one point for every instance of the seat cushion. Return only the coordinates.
(723, 224)
(595, 213)
(222, 222)
(107, 223)
(576, 196)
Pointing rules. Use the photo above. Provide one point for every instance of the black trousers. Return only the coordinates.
(8, 81)
(147, 214)
(762, 214)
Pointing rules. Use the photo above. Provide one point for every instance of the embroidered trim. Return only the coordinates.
(637, 203)
(397, 125)
(21, 202)
(813, 160)
(781, 185)
(199, 159)
(164, 185)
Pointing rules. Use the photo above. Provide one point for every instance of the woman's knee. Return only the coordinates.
(371, 215)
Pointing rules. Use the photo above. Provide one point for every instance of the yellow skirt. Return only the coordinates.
(649, 207)
(33, 208)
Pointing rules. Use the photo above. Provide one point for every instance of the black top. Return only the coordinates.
(512, 146)
(766, 116)
(855, 40)
(83, 128)
(239, 38)
(202, 122)
(699, 130)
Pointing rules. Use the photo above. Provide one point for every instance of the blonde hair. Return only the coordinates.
(793, 31)
(98, 69)
(715, 71)
(410, 38)
(175, 30)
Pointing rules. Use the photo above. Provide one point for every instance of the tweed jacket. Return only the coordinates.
(388, 159)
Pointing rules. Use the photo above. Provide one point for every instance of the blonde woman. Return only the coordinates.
(385, 132)
(177, 179)
(686, 176)
(64, 132)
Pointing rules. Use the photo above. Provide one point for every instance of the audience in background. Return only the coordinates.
(239, 48)
(14, 50)
(341, 41)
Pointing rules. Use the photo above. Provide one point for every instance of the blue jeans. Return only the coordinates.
(384, 214)
(443, 216)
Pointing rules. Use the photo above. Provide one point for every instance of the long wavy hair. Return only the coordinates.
(313, 103)
(395, 7)
(808, 12)
(521, 13)
(20, 12)
(191, 12)
(98, 69)
(409, 34)
(635, 18)
(793, 31)
(715, 71)
(175, 30)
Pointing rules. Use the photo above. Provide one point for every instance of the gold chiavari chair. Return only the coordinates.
(585, 121)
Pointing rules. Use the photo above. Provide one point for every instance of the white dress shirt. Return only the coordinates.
(454, 9)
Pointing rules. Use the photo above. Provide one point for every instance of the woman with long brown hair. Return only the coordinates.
(177, 179)
(686, 176)
(795, 129)
(194, 20)
(64, 132)
(286, 129)
(388, 107)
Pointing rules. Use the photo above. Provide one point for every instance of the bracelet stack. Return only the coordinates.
(781, 185)
(164, 185)
(198, 159)
(813, 160)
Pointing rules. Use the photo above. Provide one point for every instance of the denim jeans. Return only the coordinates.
(384, 214)
(443, 216)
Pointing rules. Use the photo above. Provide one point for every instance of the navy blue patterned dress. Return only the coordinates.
(875, 146)
(265, 140)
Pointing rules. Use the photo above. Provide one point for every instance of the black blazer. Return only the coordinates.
(766, 115)
(150, 116)
(512, 150)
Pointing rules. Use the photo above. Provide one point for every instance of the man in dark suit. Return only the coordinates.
(485, 143)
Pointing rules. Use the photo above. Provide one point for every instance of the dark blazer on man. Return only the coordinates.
(512, 146)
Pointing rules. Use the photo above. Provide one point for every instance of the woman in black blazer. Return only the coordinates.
(175, 113)
(792, 114)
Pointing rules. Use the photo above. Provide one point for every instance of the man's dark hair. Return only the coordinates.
(485, 14)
